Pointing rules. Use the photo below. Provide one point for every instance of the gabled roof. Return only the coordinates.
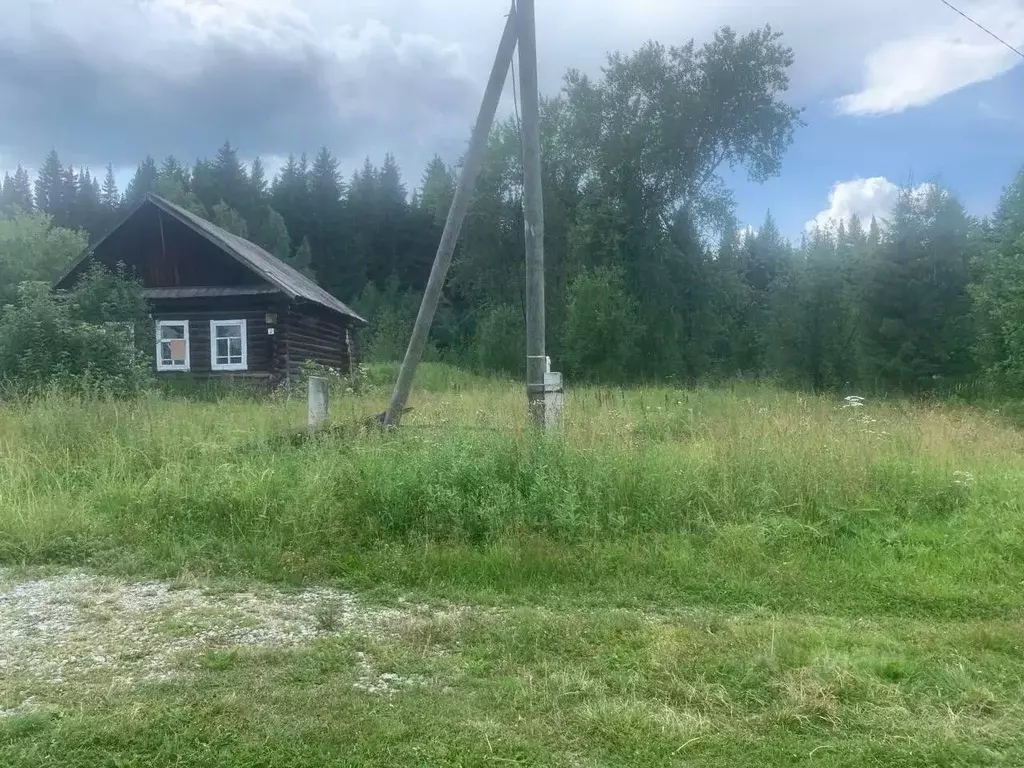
(285, 278)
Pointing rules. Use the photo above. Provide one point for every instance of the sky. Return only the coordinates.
(894, 92)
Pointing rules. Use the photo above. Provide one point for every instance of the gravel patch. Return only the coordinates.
(75, 626)
(26, 707)
(371, 682)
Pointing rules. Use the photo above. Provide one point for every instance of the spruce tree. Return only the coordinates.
(21, 191)
(88, 210)
(916, 313)
(226, 217)
(7, 195)
(257, 183)
(230, 181)
(172, 170)
(363, 215)
(303, 260)
(763, 257)
(437, 188)
(328, 236)
(174, 184)
(143, 182)
(203, 185)
(290, 196)
(855, 232)
(998, 293)
(391, 188)
(66, 214)
(303, 255)
(732, 299)
(8, 202)
(270, 232)
(827, 297)
(391, 242)
(16, 193)
(684, 302)
(874, 233)
(50, 184)
(766, 255)
(110, 197)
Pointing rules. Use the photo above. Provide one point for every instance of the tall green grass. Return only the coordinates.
(739, 495)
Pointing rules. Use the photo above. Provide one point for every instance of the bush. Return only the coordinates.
(31, 248)
(393, 314)
(601, 329)
(500, 342)
(84, 341)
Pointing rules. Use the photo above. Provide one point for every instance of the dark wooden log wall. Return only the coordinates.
(316, 336)
(303, 332)
(263, 349)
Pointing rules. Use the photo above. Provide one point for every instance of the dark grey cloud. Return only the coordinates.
(183, 90)
(112, 80)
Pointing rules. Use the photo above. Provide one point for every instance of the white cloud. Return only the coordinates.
(885, 53)
(916, 70)
(864, 198)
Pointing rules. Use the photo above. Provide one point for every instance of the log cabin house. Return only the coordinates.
(221, 305)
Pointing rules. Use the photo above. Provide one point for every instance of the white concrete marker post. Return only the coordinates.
(318, 401)
(554, 399)
(554, 396)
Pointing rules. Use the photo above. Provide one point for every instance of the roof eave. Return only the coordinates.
(359, 320)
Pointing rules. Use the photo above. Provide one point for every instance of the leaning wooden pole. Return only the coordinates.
(533, 205)
(471, 165)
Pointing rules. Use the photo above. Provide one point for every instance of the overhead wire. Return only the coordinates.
(983, 28)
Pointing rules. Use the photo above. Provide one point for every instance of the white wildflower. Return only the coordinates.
(963, 479)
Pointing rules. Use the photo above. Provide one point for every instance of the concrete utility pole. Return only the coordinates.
(456, 214)
(533, 203)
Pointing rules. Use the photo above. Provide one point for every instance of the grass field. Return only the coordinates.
(712, 577)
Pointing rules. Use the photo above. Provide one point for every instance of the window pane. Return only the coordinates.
(228, 344)
(229, 331)
(172, 352)
(172, 345)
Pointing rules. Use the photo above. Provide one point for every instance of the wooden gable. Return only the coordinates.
(163, 252)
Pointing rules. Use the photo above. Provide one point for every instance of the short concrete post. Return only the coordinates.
(554, 399)
(318, 401)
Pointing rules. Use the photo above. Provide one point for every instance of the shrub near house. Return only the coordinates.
(83, 339)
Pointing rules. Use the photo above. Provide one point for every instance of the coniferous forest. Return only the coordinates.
(648, 275)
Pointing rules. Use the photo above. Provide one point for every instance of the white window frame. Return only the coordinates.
(214, 365)
(162, 366)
